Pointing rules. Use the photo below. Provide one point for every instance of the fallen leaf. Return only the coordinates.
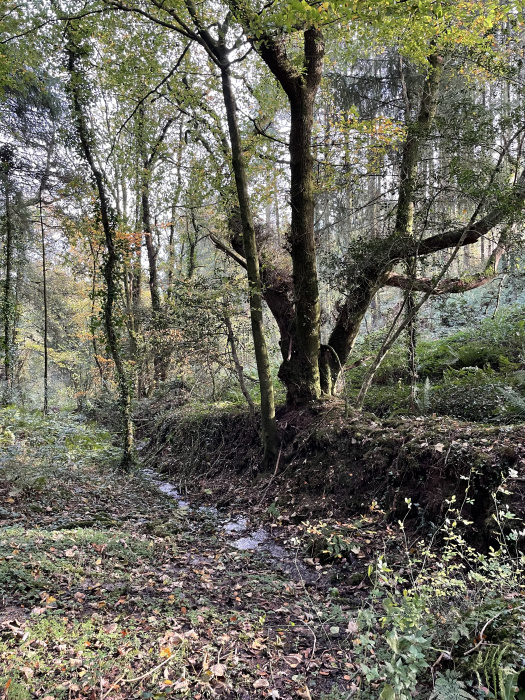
(38, 611)
(27, 672)
(293, 660)
(218, 670)
(261, 683)
(352, 627)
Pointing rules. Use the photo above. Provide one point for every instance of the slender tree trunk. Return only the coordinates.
(111, 263)
(236, 361)
(7, 310)
(171, 253)
(269, 425)
(44, 291)
(150, 246)
(94, 255)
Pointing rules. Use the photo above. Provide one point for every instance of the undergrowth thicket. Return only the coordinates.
(476, 374)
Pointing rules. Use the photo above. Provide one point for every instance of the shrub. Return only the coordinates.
(448, 622)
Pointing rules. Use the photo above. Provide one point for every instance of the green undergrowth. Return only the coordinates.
(475, 374)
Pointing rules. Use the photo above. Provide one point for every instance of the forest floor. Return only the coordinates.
(110, 588)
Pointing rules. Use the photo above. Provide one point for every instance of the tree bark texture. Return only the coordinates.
(268, 422)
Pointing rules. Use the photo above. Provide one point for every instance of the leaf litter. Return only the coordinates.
(109, 588)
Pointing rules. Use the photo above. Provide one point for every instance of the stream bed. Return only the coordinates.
(239, 534)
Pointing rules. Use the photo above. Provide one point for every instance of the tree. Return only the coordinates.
(79, 91)
(219, 51)
(310, 369)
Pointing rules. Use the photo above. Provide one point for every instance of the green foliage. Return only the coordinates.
(448, 606)
(330, 543)
(14, 690)
(469, 394)
(473, 375)
(497, 342)
(449, 687)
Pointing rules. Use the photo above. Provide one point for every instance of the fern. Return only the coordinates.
(500, 678)
(449, 687)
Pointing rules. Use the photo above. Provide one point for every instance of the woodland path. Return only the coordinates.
(110, 589)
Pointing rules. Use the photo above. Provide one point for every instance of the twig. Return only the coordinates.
(481, 640)
(272, 476)
(139, 678)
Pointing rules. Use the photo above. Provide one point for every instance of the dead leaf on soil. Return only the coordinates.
(27, 672)
(352, 627)
(293, 660)
(218, 670)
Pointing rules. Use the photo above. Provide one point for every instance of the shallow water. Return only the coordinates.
(257, 540)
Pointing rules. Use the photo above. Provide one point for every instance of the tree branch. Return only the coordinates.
(474, 231)
(228, 251)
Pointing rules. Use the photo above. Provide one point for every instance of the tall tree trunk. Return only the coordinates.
(150, 246)
(300, 371)
(268, 422)
(171, 253)
(300, 368)
(111, 264)
(7, 301)
(44, 292)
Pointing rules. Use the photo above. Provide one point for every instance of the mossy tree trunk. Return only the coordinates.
(300, 367)
(79, 92)
(268, 422)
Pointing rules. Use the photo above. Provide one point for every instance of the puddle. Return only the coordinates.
(238, 525)
(172, 492)
(259, 540)
(165, 487)
(252, 541)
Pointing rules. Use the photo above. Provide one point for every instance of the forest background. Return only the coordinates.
(276, 250)
(326, 174)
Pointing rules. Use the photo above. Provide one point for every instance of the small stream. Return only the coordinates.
(239, 535)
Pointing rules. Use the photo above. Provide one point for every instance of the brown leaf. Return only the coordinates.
(38, 611)
(26, 672)
(352, 627)
(293, 660)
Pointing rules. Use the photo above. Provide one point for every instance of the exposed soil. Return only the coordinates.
(333, 466)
